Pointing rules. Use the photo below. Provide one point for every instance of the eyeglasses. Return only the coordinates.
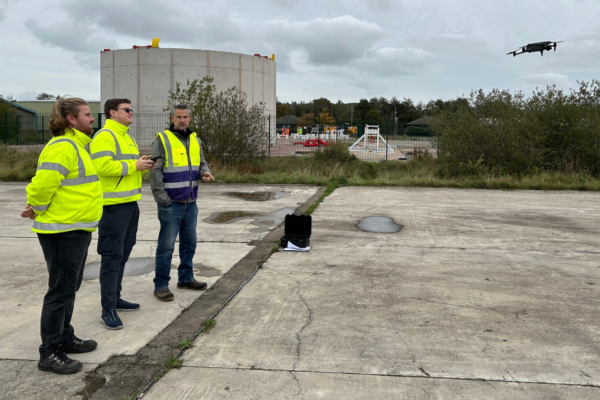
(126, 109)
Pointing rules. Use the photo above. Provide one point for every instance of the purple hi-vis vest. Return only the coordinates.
(182, 166)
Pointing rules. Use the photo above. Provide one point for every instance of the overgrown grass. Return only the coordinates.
(16, 165)
(425, 172)
(421, 172)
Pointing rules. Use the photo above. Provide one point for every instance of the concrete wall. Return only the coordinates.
(145, 76)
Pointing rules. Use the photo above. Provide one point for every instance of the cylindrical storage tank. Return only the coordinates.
(146, 75)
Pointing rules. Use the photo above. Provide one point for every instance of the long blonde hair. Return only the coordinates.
(63, 107)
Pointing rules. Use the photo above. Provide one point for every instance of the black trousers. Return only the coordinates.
(65, 255)
(116, 237)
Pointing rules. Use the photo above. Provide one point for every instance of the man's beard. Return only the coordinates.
(87, 129)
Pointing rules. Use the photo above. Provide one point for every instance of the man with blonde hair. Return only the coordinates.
(64, 200)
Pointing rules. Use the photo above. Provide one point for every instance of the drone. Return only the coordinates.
(533, 47)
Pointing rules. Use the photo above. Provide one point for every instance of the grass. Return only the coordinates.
(208, 325)
(174, 362)
(18, 166)
(185, 344)
(132, 397)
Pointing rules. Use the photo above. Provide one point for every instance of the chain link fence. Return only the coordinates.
(383, 141)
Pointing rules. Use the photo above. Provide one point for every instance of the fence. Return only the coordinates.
(387, 142)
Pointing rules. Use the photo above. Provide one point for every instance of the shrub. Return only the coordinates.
(337, 152)
(418, 131)
(504, 133)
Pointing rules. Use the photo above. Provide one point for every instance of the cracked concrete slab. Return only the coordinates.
(25, 278)
(22, 380)
(214, 383)
(478, 285)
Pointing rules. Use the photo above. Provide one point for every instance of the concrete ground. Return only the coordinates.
(482, 295)
(24, 280)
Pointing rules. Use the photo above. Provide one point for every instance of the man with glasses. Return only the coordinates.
(118, 164)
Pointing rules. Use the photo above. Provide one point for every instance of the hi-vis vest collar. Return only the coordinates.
(182, 166)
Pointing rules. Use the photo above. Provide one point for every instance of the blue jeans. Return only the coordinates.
(176, 218)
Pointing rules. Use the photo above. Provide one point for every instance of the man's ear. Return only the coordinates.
(71, 119)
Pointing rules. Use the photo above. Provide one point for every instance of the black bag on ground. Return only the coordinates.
(297, 229)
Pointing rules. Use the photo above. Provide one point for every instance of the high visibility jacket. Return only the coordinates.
(114, 154)
(182, 166)
(65, 191)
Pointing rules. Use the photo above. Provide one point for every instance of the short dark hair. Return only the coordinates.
(113, 104)
(181, 107)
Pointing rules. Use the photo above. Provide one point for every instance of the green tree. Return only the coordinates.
(282, 110)
(231, 130)
(373, 117)
(45, 96)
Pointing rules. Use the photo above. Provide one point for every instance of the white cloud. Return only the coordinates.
(389, 62)
(334, 41)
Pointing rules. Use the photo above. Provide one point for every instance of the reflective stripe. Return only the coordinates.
(119, 156)
(41, 208)
(64, 227)
(176, 169)
(126, 157)
(175, 185)
(80, 166)
(106, 153)
(114, 195)
(50, 166)
(125, 169)
(169, 151)
(79, 181)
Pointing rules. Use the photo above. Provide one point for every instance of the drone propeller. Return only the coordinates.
(555, 43)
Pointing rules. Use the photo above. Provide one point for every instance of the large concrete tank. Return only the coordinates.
(145, 76)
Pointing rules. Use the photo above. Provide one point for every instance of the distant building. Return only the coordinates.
(45, 106)
(24, 117)
(289, 121)
(423, 122)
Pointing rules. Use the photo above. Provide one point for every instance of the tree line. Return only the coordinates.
(373, 111)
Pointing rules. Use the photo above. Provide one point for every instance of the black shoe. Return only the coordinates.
(123, 305)
(164, 294)
(195, 285)
(59, 363)
(79, 346)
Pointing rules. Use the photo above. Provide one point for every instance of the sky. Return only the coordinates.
(341, 50)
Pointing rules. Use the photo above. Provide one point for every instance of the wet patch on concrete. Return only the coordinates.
(257, 196)
(203, 270)
(264, 221)
(378, 225)
(135, 266)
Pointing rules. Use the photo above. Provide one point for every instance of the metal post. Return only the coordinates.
(269, 134)
(387, 138)
(352, 115)
(6, 128)
(17, 126)
(42, 129)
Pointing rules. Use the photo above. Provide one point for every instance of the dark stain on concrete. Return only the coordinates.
(257, 196)
(263, 221)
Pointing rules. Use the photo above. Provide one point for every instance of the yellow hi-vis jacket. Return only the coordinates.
(65, 191)
(114, 154)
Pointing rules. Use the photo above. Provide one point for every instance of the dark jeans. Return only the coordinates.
(116, 237)
(65, 255)
(176, 218)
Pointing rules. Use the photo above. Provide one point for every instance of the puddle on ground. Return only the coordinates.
(257, 196)
(135, 266)
(145, 265)
(378, 225)
(263, 221)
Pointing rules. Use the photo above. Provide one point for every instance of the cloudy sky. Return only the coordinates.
(341, 50)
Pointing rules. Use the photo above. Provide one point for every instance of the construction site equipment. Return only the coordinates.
(371, 141)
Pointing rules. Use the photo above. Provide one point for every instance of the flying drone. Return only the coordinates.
(533, 47)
